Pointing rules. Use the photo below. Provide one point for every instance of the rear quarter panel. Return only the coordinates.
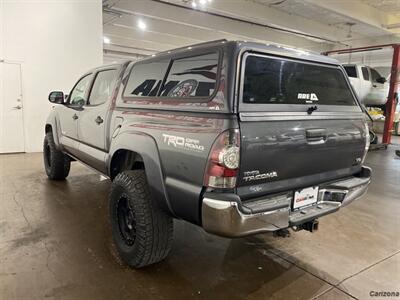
(183, 141)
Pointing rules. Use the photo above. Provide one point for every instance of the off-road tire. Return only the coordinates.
(149, 229)
(56, 163)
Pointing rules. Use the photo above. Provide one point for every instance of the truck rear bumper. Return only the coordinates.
(226, 215)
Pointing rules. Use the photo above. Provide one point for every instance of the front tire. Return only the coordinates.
(142, 232)
(56, 163)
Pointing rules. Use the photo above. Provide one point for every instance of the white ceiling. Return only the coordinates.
(317, 25)
(324, 16)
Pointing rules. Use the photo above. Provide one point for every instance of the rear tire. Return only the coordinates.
(142, 232)
(56, 163)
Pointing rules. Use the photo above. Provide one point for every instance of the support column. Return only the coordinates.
(391, 103)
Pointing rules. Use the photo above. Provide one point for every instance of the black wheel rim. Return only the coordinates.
(126, 221)
(48, 155)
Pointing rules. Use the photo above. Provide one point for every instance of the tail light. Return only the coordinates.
(223, 161)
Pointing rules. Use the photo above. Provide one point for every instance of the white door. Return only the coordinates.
(11, 109)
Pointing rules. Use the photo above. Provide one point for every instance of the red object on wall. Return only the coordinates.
(393, 89)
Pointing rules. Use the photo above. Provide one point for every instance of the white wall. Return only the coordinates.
(55, 41)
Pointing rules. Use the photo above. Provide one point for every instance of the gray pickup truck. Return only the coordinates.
(236, 137)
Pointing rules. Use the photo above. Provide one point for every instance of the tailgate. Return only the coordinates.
(300, 125)
(283, 155)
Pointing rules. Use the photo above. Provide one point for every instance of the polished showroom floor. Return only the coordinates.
(55, 244)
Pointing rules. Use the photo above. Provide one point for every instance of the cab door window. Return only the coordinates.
(375, 75)
(78, 93)
(103, 87)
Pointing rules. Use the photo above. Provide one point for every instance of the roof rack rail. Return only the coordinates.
(195, 45)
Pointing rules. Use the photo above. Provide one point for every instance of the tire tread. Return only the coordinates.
(60, 164)
(154, 232)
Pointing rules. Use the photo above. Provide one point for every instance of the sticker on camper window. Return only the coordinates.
(309, 97)
(184, 89)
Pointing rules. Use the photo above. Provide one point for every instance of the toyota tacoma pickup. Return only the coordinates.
(239, 138)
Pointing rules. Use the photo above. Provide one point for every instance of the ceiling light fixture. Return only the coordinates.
(203, 2)
(142, 25)
(350, 24)
(106, 40)
(194, 4)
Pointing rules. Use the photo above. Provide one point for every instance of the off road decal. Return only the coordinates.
(205, 71)
(180, 142)
(177, 89)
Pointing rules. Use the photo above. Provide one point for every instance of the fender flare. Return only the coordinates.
(146, 146)
(52, 121)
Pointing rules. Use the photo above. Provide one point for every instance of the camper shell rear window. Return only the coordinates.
(276, 80)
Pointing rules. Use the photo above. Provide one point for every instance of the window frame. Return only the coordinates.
(292, 108)
(87, 104)
(171, 59)
(90, 76)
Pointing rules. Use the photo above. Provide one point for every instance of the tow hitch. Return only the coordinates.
(310, 226)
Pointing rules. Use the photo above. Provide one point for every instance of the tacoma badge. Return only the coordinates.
(256, 175)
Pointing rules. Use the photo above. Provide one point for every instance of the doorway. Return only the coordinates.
(12, 138)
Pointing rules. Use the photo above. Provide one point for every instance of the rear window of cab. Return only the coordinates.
(351, 71)
(273, 80)
(183, 78)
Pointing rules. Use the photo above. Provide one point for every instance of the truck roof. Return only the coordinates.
(270, 48)
(288, 51)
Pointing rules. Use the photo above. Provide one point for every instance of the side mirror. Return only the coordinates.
(381, 80)
(56, 97)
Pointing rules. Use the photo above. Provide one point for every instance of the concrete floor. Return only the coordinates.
(55, 244)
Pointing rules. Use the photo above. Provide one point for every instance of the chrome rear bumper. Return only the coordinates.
(226, 215)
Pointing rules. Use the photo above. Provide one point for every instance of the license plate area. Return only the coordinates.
(305, 197)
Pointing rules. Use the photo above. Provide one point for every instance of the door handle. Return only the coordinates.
(17, 107)
(75, 117)
(99, 120)
(316, 136)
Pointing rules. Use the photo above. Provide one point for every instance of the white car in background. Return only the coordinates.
(371, 88)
